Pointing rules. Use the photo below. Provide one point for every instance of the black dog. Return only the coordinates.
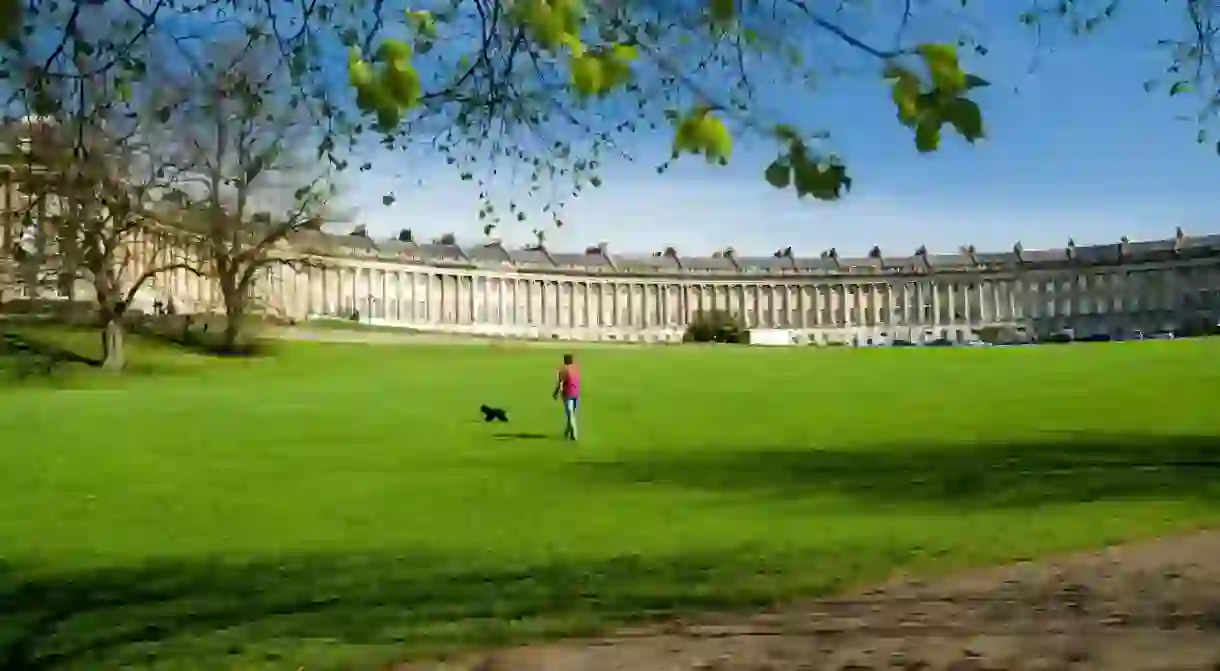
(493, 414)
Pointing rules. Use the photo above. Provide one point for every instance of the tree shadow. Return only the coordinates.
(217, 614)
(364, 610)
(199, 335)
(36, 358)
(1063, 467)
(519, 436)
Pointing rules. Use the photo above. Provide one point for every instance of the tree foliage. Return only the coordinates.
(714, 326)
(233, 133)
(552, 88)
(93, 184)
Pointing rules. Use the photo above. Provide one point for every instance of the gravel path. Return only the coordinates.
(1151, 606)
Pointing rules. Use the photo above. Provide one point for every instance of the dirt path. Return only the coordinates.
(1151, 606)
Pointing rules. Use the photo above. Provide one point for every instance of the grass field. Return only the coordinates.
(341, 505)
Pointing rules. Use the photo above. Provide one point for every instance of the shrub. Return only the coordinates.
(714, 326)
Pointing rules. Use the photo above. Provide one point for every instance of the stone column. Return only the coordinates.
(891, 304)
(394, 289)
(499, 291)
(411, 291)
(663, 304)
(556, 317)
(936, 314)
(547, 308)
(1013, 287)
(645, 306)
(570, 287)
(905, 298)
(802, 311)
(435, 298)
(997, 312)
(478, 298)
(629, 307)
(610, 303)
(593, 305)
(875, 295)
(324, 286)
(952, 291)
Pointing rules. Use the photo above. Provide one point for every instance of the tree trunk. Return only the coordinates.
(232, 330)
(112, 345)
(235, 314)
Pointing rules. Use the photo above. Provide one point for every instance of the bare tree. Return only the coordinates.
(91, 185)
(237, 129)
(26, 257)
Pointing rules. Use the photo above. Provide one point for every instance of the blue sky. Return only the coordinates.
(1076, 148)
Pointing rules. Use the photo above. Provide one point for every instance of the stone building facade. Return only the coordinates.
(489, 289)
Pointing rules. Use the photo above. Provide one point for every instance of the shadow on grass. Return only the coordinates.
(520, 436)
(25, 359)
(199, 337)
(360, 610)
(1066, 467)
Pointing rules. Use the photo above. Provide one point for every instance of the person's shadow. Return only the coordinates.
(518, 436)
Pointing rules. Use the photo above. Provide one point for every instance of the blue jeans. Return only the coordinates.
(569, 414)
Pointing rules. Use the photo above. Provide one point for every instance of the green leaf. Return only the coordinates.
(905, 94)
(927, 134)
(779, 174)
(966, 117)
(943, 66)
(786, 133)
(824, 183)
(1179, 87)
(722, 11)
(976, 82)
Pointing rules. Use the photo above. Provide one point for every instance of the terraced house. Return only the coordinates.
(599, 295)
(533, 292)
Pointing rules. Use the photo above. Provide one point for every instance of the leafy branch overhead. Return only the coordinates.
(555, 87)
(927, 105)
(602, 49)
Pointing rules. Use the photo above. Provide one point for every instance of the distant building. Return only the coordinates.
(486, 288)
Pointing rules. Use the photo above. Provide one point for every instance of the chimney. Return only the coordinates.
(731, 254)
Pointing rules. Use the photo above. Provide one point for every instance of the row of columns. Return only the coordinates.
(437, 296)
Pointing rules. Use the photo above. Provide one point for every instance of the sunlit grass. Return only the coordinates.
(343, 504)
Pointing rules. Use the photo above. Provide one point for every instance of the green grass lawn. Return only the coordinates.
(341, 505)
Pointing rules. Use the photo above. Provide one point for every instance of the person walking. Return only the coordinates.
(568, 384)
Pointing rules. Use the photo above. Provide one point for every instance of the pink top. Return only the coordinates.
(569, 379)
